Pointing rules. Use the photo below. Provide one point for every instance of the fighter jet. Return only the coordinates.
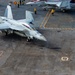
(48, 4)
(21, 27)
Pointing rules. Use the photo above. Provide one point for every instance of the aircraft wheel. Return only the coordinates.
(13, 31)
(63, 10)
(28, 40)
(6, 32)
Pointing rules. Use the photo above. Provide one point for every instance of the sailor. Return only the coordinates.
(35, 10)
(18, 4)
(52, 12)
(23, 2)
(15, 3)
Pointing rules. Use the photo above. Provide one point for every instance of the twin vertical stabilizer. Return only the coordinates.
(8, 12)
(29, 16)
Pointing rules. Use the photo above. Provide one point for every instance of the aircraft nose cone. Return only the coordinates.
(39, 36)
(43, 38)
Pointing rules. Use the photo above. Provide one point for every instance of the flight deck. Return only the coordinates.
(56, 56)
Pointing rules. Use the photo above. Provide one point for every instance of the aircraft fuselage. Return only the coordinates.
(24, 29)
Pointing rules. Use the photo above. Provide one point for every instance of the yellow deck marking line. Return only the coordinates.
(45, 18)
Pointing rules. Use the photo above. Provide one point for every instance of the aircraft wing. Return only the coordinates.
(31, 3)
(6, 26)
(36, 3)
(47, 3)
(16, 27)
(58, 4)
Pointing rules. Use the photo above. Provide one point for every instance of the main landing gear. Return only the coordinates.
(29, 39)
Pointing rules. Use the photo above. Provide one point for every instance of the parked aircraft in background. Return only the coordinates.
(21, 27)
(60, 4)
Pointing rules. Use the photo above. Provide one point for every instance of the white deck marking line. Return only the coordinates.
(61, 28)
(64, 58)
(1, 53)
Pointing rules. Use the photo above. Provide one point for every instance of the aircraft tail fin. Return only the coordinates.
(66, 4)
(29, 16)
(8, 12)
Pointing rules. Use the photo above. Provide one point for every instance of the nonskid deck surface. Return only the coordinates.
(54, 57)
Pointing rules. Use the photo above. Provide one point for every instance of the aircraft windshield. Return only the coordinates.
(27, 26)
(32, 27)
